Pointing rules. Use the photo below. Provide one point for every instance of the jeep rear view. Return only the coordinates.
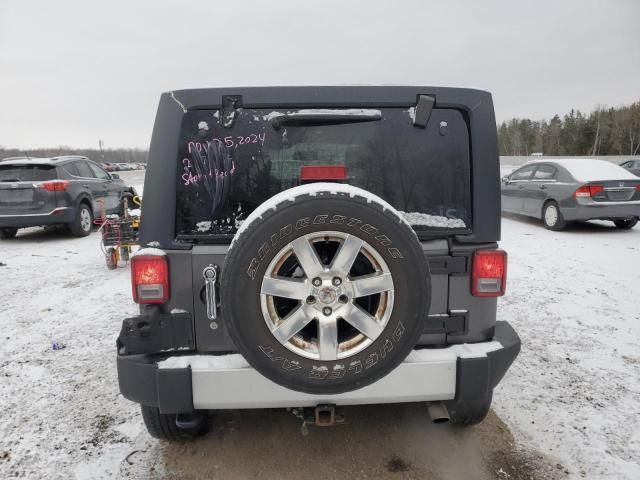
(314, 247)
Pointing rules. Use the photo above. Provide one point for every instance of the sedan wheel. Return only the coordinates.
(627, 224)
(8, 232)
(552, 217)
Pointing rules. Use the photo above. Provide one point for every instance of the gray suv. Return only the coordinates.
(315, 247)
(66, 190)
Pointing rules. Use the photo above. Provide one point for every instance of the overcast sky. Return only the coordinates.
(73, 72)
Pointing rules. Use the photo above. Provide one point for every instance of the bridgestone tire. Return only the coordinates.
(470, 412)
(251, 254)
(163, 425)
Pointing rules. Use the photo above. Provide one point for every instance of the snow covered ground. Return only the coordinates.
(62, 415)
(574, 392)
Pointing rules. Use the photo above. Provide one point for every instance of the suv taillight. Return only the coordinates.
(150, 278)
(55, 185)
(489, 273)
(588, 191)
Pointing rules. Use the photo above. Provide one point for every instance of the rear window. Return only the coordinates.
(27, 173)
(225, 172)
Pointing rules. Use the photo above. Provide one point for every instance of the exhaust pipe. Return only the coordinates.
(438, 412)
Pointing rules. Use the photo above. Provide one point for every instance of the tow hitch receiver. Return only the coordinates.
(325, 415)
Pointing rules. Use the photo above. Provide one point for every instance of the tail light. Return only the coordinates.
(323, 172)
(489, 273)
(588, 191)
(638, 187)
(150, 278)
(55, 185)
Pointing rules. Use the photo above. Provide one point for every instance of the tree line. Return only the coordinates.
(117, 155)
(604, 131)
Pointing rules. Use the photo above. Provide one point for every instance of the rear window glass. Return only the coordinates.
(225, 172)
(27, 173)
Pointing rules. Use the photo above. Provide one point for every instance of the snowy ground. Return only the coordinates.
(62, 414)
(574, 298)
(574, 392)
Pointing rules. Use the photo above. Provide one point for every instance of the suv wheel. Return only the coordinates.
(8, 232)
(627, 224)
(164, 426)
(552, 217)
(326, 292)
(83, 223)
(469, 412)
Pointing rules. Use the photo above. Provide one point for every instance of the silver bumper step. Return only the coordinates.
(227, 382)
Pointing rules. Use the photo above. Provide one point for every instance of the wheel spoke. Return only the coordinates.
(307, 257)
(347, 254)
(284, 287)
(328, 338)
(292, 324)
(372, 284)
(364, 322)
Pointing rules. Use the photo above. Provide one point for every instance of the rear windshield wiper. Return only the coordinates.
(326, 117)
(10, 180)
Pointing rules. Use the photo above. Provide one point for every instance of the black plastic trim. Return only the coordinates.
(476, 377)
(156, 333)
(141, 381)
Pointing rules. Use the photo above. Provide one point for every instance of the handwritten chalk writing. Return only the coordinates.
(230, 141)
(189, 178)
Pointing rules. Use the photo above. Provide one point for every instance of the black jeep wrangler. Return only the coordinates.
(315, 247)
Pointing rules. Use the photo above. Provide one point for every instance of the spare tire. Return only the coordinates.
(325, 289)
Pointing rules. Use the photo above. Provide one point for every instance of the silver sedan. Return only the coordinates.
(564, 190)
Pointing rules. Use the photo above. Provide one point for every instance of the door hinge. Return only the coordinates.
(446, 265)
(449, 323)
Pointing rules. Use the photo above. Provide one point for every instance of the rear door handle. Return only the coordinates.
(85, 185)
(543, 187)
(210, 274)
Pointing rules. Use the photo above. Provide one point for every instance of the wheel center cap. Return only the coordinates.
(327, 295)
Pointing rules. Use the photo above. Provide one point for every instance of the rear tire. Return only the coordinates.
(627, 224)
(163, 425)
(470, 412)
(552, 217)
(83, 223)
(8, 232)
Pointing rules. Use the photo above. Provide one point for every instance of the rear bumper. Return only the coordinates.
(602, 211)
(467, 371)
(55, 217)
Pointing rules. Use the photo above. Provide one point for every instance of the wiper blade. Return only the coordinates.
(10, 180)
(326, 117)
